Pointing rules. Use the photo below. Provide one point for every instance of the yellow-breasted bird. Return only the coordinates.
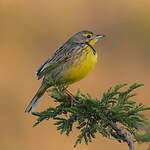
(71, 62)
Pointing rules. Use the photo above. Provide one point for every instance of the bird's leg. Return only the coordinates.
(71, 97)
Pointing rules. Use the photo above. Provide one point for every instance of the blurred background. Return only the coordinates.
(31, 30)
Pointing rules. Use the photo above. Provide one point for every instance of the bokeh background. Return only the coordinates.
(31, 30)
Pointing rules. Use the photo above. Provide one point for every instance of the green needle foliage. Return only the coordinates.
(116, 115)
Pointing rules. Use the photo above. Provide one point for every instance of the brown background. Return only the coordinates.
(30, 30)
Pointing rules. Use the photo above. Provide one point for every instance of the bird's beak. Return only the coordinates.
(98, 36)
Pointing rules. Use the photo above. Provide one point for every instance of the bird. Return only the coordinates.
(71, 62)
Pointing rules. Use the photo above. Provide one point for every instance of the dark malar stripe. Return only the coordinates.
(94, 51)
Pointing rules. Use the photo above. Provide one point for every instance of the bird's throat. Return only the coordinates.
(88, 44)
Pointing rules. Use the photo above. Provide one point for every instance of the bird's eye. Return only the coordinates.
(88, 36)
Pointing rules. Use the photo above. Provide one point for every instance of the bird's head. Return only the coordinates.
(86, 37)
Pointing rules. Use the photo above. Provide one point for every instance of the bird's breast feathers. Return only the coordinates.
(81, 66)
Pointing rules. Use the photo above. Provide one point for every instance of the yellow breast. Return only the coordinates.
(81, 66)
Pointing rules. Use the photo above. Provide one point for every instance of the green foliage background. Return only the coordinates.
(91, 116)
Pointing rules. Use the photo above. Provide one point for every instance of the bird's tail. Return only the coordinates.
(36, 98)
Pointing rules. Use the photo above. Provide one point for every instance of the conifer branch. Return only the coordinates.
(125, 136)
(115, 115)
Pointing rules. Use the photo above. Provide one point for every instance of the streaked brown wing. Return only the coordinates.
(61, 56)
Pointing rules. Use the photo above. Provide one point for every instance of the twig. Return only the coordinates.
(125, 135)
(114, 115)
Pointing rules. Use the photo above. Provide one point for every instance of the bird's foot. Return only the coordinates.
(71, 97)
